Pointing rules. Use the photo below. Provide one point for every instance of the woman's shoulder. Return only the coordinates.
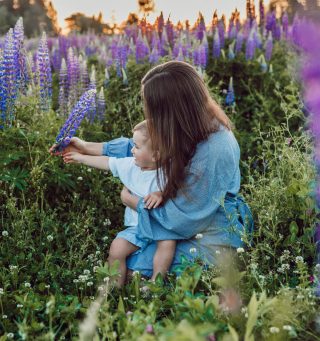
(219, 142)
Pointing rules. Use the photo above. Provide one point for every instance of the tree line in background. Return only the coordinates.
(40, 15)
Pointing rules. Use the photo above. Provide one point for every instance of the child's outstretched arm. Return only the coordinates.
(100, 162)
(153, 200)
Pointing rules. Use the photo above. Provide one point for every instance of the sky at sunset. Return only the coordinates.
(117, 10)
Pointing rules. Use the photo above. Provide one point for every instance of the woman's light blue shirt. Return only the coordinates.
(211, 206)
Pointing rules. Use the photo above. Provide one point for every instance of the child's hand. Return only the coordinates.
(152, 200)
(73, 157)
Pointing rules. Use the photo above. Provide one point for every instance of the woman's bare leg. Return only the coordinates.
(163, 257)
(120, 249)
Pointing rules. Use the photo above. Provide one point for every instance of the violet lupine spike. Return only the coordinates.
(261, 12)
(221, 30)
(203, 57)
(239, 42)
(63, 88)
(101, 105)
(86, 103)
(9, 86)
(154, 55)
(72, 78)
(45, 76)
(216, 45)
(285, 24)
(84, 75)
(180, 56)
(2, 93)
(22, 75)
(308, 38)
(269, 47)
(250, 47)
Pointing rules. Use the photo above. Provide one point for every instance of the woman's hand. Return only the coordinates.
(75, 145)
(73, 157)
(129, 199)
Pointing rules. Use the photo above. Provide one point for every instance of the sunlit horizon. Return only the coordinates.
(117, 11)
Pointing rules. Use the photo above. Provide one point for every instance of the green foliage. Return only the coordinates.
(57, 222)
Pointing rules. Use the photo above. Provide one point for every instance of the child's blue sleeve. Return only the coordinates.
(120, 147)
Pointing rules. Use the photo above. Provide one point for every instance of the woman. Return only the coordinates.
(199, 158)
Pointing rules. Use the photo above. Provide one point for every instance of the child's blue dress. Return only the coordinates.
(211, 208)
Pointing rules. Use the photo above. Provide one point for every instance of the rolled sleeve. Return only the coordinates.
(120, 147)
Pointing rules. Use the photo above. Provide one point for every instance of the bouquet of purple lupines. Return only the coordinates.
(85, 104)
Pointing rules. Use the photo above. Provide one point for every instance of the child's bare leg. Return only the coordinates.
(163, 257)
(120, 249)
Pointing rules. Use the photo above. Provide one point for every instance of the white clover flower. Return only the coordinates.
(100, 288)
(83, 278)
(47, 286)
(107, 279)
(107, 222)
(299, 259)
(80, 178)
(75, 280)
(19, 305)
(287, 327)
(274, 330)
(5, 233)
(193, 250)
(95, 268)
(105, 238)
(89, 170)
(27, 285)
(285, 266)
(4, 316)
(199, 236)
(10, 336)
(13, 267)
(86, 272)
(50, 238)
(125, 298)
(218, 252)
(240, 250)
(89, 284)
(1, 291)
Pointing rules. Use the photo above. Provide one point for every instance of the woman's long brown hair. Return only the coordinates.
(180, 113)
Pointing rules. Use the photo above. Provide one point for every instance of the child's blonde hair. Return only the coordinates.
(143, 128)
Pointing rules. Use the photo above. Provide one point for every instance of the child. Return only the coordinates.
(138, 174)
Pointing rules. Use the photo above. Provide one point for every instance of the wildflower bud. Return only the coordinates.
(5, 233)
(149, 329)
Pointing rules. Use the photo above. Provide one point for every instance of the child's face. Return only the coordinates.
(142, 153)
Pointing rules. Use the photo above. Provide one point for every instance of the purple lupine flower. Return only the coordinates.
(63, 88)
(307, 35)
(45, 76)
(221, 30)
(180, 56)
(271, 21)
(257, 39)
(142, 48)
(9, 84)
(230, 98)
(154, 55)
(203, 57)
(101, 105)
(86, 102)
(261, 12)
(250, 47)
(285, 24)
(269, 46)
(277, 32)
(160, 24)
(22, 75)
(239, 42)
(169, 31)
(84, 76)
(201, 27)
(216, 45)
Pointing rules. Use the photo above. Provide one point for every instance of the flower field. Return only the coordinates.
(57, 221)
